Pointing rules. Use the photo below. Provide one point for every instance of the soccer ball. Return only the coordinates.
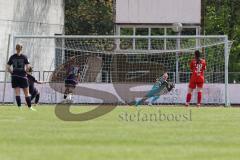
(177, 27)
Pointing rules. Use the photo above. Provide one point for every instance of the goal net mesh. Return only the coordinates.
(119, 59)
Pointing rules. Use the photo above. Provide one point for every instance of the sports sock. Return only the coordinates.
(189, 96)
(28, 100)
(154, 99)
(199, 98)
(37, 98)
(18, 99)
(138, 102)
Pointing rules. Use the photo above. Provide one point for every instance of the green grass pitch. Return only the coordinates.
(125, 133)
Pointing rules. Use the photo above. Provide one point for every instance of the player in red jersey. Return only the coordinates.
(197, 66)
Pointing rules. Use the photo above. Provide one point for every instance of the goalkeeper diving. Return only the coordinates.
(161, 87)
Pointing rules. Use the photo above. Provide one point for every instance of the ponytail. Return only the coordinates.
(197, 56)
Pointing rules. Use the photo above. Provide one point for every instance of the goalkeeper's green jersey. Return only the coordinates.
(159, 83)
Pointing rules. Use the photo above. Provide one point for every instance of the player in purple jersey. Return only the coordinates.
(72, 79)
(20, 64)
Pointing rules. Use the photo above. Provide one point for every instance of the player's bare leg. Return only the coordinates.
(189, 97)
(199, 96)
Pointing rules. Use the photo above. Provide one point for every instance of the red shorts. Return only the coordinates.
(196, 82)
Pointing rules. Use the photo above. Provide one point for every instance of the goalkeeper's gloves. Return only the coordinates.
(170, 86)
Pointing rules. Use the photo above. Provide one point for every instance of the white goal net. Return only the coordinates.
(109, 62)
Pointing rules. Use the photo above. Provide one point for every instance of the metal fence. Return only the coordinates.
(234, 77)
(36, 74)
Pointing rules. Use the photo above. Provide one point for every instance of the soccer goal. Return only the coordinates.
(127, 65)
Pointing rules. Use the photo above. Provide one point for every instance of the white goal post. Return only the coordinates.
(107, 60)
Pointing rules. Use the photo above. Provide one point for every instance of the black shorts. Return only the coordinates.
(34, 92)
(19, 82)
(70, 83)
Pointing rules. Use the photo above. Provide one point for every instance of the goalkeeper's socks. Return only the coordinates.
(189, 97)
(138, 102)
(28, 100)
(18, 100)
(199, 98)
(154, 99)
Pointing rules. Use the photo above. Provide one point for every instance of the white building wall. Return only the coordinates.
(158, 11)
(31, 17)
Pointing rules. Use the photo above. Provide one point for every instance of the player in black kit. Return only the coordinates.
(20, 64)
(32, 89)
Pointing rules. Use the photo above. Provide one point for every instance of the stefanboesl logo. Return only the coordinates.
(122, 81)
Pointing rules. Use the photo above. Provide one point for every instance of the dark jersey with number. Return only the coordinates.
(18, 62)
(73, 72)
(31, 81)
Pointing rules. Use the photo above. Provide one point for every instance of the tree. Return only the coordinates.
(223, 17)
(84, 17)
